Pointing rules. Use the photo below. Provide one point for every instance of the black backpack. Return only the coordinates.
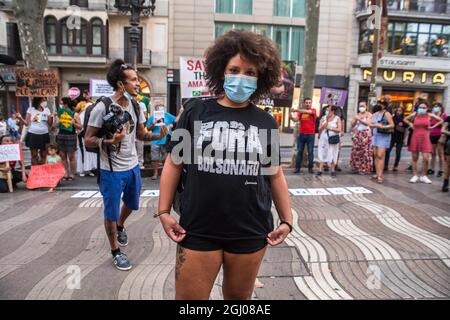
(107, 102)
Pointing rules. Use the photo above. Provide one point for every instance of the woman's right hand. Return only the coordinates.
(172, 228)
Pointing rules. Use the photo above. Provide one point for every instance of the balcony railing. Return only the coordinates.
(410, 6)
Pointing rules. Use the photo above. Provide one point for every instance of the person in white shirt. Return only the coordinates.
(38, 120)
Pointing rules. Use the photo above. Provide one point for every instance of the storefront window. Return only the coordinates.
(243, 26)
(290, 40)
(281, 37)
(297, 47)
(243, 6)
(221, 28)
(234, 6)
(422, 45)
(421, 39)
(424, 27)
(262, 29)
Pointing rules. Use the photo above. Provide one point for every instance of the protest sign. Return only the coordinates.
(192, 77)
(10, 152)
(100, 88)
(36, 83)
(45, 175)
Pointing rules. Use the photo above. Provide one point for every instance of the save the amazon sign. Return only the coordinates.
(192, 77)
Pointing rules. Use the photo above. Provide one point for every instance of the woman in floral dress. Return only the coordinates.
(361, 159)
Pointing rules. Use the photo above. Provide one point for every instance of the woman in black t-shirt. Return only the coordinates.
(231, 173)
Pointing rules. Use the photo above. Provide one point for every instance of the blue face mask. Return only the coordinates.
(436, 110)
(126, 94)
(421, 111)
(239, 88)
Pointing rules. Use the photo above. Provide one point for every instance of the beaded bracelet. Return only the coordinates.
(288, 224)
(161, 213)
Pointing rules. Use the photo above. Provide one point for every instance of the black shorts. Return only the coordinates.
(434, 139)
(37, 141)
(232, 246)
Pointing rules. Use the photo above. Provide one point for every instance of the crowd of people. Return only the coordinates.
(67, 122)
(375, 133)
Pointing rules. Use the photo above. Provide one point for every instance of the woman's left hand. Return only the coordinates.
(278, 235)
(24, 177)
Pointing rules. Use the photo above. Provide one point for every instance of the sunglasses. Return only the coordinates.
(125, 66)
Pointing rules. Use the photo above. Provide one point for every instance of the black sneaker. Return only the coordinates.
(439, 174)
(121, 261)
(310, 171)
(445, 186)
(430, 172)
(409, 168)
(122, 237)
(297, 170)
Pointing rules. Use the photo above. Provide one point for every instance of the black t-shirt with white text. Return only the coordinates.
(227, 188)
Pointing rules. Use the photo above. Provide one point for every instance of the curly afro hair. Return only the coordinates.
(255, 48)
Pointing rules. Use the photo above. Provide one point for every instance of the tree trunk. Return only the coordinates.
(309, 65)
(311, 36)
(30, 22)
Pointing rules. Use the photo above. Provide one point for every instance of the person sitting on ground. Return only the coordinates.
(17, 176)
(52, 157)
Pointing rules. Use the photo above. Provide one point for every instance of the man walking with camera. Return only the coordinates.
(114, 133)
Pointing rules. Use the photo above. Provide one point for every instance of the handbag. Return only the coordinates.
(384, 123)
(333, 139)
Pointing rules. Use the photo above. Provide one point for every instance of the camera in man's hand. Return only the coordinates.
(115, 120)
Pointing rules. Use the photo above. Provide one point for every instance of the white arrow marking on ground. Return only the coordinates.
(84, 194)
(299, 192)
(318, 192)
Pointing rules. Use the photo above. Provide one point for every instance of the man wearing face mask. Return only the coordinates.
(119, 167)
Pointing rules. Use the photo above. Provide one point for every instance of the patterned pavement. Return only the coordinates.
(372, 241)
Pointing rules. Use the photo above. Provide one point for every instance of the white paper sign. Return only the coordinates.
(150, 193)
(338, 191)
(99, 88)
(84, 194)
(159, 117)
(10, 152)
(318, 191)
(299, 192)
(192, 77)
(358, 190)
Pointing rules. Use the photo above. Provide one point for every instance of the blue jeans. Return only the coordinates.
(303, 139)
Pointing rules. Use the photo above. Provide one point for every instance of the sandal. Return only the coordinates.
(374, 177)
(71, 178)
(66, 178)
(380, 180)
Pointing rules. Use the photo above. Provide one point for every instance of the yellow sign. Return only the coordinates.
(65, 119)
(408, 76)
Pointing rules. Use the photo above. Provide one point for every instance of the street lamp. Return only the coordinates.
(136, 7)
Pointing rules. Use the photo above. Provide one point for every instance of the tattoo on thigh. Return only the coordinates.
(181, 258)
